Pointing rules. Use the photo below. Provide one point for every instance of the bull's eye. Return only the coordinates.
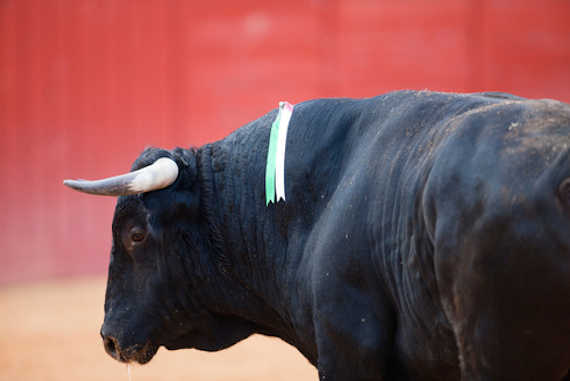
(137, 236)
(134, 236)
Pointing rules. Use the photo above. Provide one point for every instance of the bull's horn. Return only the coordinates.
(158, 175)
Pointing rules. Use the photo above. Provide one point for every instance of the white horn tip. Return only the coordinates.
(164, 172)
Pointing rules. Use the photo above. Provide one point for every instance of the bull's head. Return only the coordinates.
(162, 273)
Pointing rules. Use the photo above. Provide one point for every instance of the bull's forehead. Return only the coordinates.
(129, 208)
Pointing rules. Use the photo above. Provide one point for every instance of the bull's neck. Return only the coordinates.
(232, 217)
(210, 204)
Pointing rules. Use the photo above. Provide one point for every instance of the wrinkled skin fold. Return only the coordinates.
(424, 237)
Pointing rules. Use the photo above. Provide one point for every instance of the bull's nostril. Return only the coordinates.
(110, 346)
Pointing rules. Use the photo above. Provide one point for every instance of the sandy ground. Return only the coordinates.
(50, 331)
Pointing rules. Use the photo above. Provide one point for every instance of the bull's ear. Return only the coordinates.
(564, 190)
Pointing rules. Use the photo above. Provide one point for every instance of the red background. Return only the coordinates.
(86, 85)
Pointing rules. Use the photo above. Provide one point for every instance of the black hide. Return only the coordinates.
(425, 236)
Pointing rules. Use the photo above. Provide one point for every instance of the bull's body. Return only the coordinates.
(425, 236)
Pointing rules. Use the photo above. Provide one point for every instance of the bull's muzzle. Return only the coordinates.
(141, 353)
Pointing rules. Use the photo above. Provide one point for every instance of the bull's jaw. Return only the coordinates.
(135, 353)
(214, 334)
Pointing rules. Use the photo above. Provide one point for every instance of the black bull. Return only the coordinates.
(425, 236)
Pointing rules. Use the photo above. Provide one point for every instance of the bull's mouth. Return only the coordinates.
(137, 353)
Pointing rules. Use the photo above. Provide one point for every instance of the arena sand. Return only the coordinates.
(50, 331)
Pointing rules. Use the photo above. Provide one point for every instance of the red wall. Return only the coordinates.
(86, 85)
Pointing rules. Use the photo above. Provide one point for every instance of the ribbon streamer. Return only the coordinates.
(275, 169)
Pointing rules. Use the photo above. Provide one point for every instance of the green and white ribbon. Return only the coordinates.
(275, 169)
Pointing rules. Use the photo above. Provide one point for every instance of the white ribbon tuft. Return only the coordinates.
(280, 160)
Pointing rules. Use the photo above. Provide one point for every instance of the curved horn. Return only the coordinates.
(158, 175)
